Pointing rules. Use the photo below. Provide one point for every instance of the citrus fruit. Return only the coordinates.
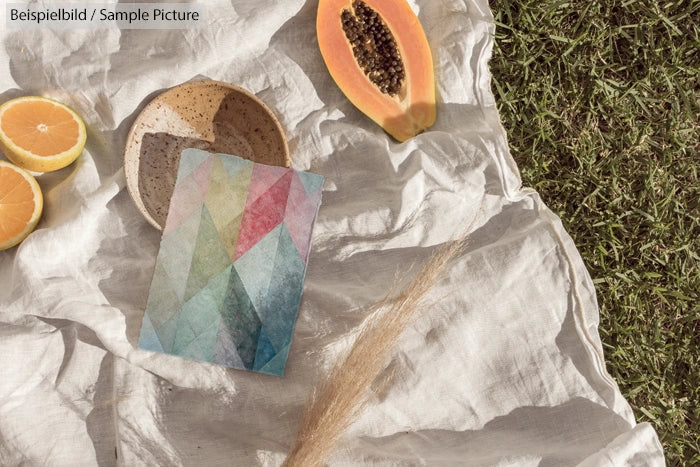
(40, 134)
(21, 204)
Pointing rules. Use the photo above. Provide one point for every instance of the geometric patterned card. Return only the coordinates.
(230, 269)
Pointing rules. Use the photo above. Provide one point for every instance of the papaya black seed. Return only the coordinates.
(374, 47)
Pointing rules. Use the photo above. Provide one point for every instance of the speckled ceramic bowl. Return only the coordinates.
(210, 115)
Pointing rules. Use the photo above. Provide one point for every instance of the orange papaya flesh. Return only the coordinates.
(403, 110)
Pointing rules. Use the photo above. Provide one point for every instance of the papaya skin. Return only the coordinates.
(413, 109)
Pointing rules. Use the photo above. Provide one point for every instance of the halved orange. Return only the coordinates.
(21, 204)
(40, 134)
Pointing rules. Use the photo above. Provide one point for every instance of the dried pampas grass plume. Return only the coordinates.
(341, 395)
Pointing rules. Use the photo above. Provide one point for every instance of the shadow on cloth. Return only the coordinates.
(71, 331)
(133, 242)
(549, 433)
(571, 340)
(100, 422)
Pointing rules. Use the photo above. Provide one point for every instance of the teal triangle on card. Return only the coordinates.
(166, 332)
(148, 340)
(207, 339)
(184, 335)
(275, 366)
(234, 164)
(204, 307)
(190, 159)
(265, 351)
(284, 292)
(255, 267)
(241, 321)
(193, 351)
(225, 352)
(150, 343)
(312, 182)
(146, 327)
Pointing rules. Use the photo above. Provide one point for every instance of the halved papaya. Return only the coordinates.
(378, 55)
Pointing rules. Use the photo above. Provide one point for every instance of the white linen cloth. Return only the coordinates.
(507, 369)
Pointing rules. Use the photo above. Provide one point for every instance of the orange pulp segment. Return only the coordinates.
(21, 204)
(40, 134)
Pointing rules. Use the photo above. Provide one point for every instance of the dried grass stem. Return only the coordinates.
(344, 392)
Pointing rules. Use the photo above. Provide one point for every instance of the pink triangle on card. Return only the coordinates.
(263, 178)
(186, 199)
(262, 214)
(202, 174)
(298, 216)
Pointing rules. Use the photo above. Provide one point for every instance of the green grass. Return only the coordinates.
(600, 102)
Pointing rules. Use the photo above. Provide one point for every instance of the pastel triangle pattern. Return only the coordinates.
(229, 274)
(200, 161)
